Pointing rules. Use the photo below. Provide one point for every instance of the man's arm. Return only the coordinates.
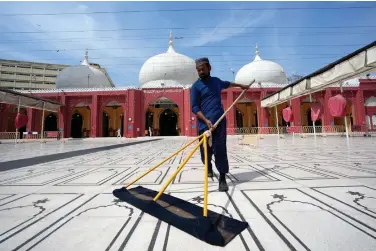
(196, 108)
(227, 84)
(238, 85)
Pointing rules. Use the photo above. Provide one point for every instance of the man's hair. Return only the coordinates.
(201, 61)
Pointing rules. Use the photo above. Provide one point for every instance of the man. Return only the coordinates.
(207, 105)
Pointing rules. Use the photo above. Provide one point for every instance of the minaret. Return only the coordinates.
(171, 44)
(257, 57)
(86, 59)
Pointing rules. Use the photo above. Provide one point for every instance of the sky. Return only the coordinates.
(300, 40)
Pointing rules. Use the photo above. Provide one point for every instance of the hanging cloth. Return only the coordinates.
(316, 111)
(288, 116)
(337, 106)
(21, 120)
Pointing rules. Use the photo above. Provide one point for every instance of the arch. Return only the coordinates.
(105, 124)
(246, 99)
(83, 108)
(81, 104)
(113, 103)
(50, 123)
(168, 123)
(115, 115)
(239, 119)
(371, 101)
(175, 99)
(76, 125)
(158, 108)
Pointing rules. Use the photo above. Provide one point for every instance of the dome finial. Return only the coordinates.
(86, 59)
(171, 43)
(257, 58)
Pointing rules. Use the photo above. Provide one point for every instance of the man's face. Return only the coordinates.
(203, 70)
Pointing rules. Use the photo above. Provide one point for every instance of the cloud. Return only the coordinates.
(235, 19)
(72, 52)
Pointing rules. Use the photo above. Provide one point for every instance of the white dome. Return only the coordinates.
(268, 73)
(82, 76)
(168, 69)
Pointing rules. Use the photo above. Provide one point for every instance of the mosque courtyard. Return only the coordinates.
(295, 193)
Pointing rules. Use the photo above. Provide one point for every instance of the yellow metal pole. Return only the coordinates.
(163, 161)
(177, 170)
(206, 177)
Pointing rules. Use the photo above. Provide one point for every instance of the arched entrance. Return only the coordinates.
(76, 125)
(162, 116)
(168, 123)
(112, 119)
(84, 121)
(105, 124)
(246, 113)
(50, 123)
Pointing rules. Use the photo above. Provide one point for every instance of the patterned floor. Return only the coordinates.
(296, 194)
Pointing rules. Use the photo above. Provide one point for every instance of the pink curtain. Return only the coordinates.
(316, 111)
(337, 106)
(288, 116)
(21, 120)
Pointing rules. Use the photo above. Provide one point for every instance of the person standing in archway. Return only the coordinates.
(207, 105)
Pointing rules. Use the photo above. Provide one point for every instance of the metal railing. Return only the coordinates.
(303, 130)
(9, 135)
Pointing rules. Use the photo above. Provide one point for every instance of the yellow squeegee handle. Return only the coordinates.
(163, 161)
(178, 170)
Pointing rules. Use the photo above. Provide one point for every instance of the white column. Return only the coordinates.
(347, 130)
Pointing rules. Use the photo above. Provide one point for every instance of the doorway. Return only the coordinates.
(168, 122)
(76, 125)
(105, 124)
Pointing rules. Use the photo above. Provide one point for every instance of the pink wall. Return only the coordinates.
(135, 103)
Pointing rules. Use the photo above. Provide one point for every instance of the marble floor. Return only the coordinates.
(295, 193)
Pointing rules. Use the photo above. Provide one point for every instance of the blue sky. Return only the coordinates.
(227, 48)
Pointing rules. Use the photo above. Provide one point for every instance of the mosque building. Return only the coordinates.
(93, 107)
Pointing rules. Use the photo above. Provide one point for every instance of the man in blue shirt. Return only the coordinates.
(207, 105)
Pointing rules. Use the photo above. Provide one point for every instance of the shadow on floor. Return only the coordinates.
(14, 164)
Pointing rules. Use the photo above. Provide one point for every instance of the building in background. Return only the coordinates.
(23, 75)
(93, 107)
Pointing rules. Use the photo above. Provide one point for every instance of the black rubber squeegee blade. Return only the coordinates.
(215, 229)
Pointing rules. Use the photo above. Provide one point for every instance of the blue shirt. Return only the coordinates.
(206, 97)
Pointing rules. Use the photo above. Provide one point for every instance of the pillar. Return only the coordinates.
(3, 116)
(360, 110)
(131, 124)
(231, 114)
(62, 117)
(295, 107)
(94, 116)
(30, 120)
(262, 112)
(328, 118)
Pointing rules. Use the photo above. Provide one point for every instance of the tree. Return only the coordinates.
(294, 77)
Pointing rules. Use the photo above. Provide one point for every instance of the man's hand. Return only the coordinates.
(209, 124)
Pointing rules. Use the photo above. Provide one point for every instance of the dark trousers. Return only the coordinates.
(218, 148)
